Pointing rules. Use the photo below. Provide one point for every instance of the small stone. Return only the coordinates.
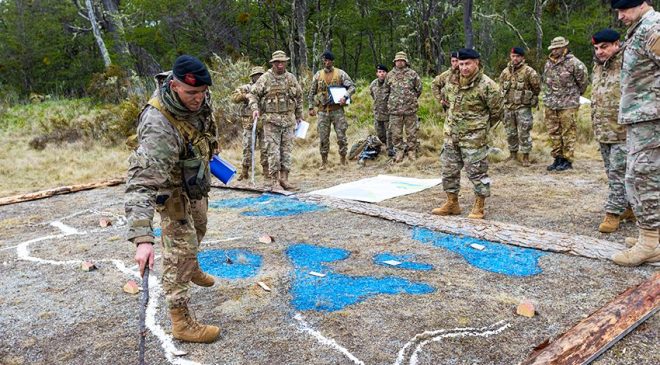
(131, 287)
(178, 352)
(105, 222)
(478, 247)
(526, 309)
(392, 262)
(317, 274)
(88, 266)
(263, 286)
(266, 239)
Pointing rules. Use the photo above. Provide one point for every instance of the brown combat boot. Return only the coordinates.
(647, 249)
(478, 208)
(343, 160)
(324, 162)
(525, 160)
(450, 207)
(186, 328)
(610, 223)
(200, 278)
(513, 156)
(244, 174)
(628, 215)
(284, 181)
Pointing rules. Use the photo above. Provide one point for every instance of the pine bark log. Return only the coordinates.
(59, 191)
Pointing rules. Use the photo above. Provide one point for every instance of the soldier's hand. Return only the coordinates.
(312, 112)
(342, 101)
(255, 114)
(144, 253)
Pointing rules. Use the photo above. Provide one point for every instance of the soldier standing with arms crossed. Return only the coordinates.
(240, 96)
(381, 115)
(639, 111)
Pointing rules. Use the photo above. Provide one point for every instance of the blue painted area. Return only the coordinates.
(496, 257)
(244, 264)
(336, 291)
(406, 262)
(268, 205)
(157, 232)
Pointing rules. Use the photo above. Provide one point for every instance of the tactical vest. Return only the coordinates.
(194, 160)
(279, 96)
(515, 87)
(325, 80)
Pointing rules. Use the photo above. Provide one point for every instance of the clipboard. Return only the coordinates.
(336, 93)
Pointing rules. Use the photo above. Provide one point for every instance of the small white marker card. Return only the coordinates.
(317, 274)
(301, 129)
(477, 246)
(392, 262)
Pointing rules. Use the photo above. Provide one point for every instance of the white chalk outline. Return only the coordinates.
(304, 327)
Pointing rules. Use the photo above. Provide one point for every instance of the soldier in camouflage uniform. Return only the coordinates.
(443, 79)
(278, 95)
(520, 88)
(169, 172)
(565, 78)
(381, 115)
(403, 87)
(639, 111)
(240, 96)
(475, 106)
(331, 112)
(605, 96)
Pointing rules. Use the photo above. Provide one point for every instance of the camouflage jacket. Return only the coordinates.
(439, 83)
(640, 72)
(280, 94)
(402, 88)
(240, 96)
(474, 104)
(521, 86)
(605, 97)
(154, 168)
(377, 91)
(318, 92)
(564, 82)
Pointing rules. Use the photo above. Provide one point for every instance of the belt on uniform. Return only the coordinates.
(329, 107)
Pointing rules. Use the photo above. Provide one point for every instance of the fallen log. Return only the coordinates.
(251, 188)
(59, 191)
(590, 338)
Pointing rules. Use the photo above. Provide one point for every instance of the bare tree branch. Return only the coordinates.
(502, 19)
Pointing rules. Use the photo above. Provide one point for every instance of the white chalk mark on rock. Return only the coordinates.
(66, 229)
(303, 326)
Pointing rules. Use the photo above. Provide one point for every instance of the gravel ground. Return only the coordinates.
(53, 313)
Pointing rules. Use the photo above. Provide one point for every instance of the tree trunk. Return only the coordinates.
(97, 34)
(467, 23)
(300, 17)
(538, 22)
(115, 26)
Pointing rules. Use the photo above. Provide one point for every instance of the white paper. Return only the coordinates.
(392, 262)
(263, 285)
(477, 246)
(584, 100)
(318, 274)
(301, 129)
(378, 188)
(338, 92)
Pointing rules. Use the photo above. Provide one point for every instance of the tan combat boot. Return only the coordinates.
(186, 328)
(450, 207)
(478, 208)
(610, 223)
(630, 241)
(525, 160)
(324, 162)
(628, 215)
(284, 181)
(647, 249)
(244, 174)
(513, 156)
(200, 278)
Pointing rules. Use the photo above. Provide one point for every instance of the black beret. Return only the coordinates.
(454, 54)
(605, 35)
(383, 68)
(191, 71)
(626, 4)
(327, 55)
(518, 51)
(468, 54)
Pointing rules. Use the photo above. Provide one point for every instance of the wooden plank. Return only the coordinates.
(251, 188)
(483, 229)
(590, 338)
(59, 191)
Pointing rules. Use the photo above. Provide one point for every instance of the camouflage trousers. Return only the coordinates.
(518, 124)
(278, 135)
(325, 122)
(383, 132)
(562, 129)
(614, 159)
(643, 172)
(470, 151)
(180, 239)
(397, 124)
(247, 148)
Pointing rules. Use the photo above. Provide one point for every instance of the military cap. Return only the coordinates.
(454, 54)
(401, 56)
(327, 55)
(558, 42)
(518, 50)
(605, 35)
(279, 56)
(191, 71)
(626, 4)
(258, 70)
(468, 54)
(383, 68)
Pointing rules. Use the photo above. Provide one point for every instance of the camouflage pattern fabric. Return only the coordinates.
(614, 159)
(562, 129)
(377, 91)
(240, 96)
(457, 153)
(279, 144)
(326, 121)
(318, 93)
(521, 86)
(439, 82)
(402, 87)
(246, 162)
(518, 124)
(640, 72)
(605, 97)
(382, 128)
(643, 172)
(397, 124)
(564, 80)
